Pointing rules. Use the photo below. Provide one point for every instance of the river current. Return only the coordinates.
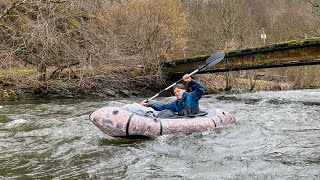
(277, 136)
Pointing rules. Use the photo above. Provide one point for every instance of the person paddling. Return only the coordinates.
(187, 103)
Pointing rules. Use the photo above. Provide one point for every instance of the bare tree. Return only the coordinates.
(316, 13)
(143, 33)
(83, 44)
(289, 20)
(219, 25)
(44, 34)
(316, 8)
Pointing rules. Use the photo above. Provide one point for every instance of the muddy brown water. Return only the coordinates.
(277, 137)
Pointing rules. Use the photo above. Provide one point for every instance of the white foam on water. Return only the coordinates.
(16, 122)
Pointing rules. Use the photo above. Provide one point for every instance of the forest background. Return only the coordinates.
(71, 48)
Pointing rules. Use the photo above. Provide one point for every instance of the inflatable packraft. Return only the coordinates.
(119, 122)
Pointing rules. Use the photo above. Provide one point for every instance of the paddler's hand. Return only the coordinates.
(186, 78)
(144, 103)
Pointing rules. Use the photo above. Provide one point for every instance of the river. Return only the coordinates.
(277, 136)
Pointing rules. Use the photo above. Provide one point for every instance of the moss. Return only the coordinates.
(269, 61)
(19, 71)
(210, 90)
(13, 95)
(6, 95)
(272, 47)
(73, 22)
(79, 94)
(5, 81)
(136, 72)
(292, 42)
(125, 92)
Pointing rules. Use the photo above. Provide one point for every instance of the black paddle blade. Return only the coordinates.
(215, 59)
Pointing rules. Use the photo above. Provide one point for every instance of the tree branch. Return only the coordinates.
(314, 4)
(57, 1)
(11, 7)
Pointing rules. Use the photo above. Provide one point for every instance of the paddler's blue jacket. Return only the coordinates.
(188, 100)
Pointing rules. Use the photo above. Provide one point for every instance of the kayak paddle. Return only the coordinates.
(212, 60)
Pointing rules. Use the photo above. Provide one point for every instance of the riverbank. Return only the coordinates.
(11, 90)
(20, 82)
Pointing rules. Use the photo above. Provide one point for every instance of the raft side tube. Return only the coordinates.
(186, 125)
(111, 120)
(145, 126)
(217, 121)
(226, 117)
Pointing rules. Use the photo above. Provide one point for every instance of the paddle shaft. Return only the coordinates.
(192, 73)
(212, 60)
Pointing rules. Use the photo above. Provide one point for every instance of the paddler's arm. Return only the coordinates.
(160, 107)
(198, 89)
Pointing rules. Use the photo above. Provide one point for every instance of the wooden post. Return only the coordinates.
(263, 36)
